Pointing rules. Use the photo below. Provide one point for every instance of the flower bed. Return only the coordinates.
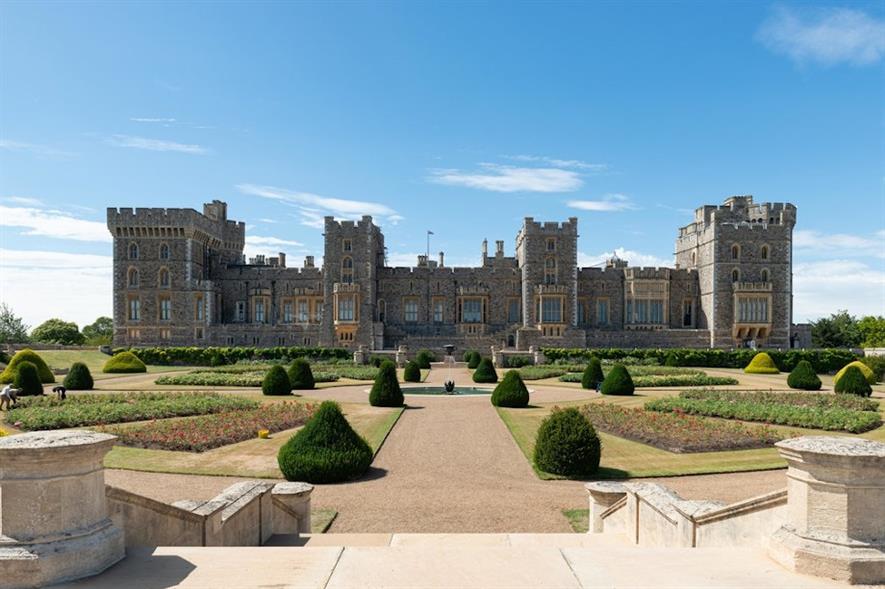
(677, 432)
(198, 434)
(539, 372)
(674, 380)
(41, 413)
(819, 411)
(252, 375)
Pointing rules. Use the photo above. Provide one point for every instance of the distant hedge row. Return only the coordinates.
(824, 360)
(193, 356)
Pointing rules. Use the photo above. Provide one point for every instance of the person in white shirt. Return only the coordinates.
(9, 397)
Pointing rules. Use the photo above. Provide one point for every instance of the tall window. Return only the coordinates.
(164, 251)
(550, 271)
(134, 309)
(645, 311)
(656, 312)
(513, 311)
(133, 277)
(199, 308)
(288, 312)
(765, 275)
(410, 313)
(764, 252)
(382, 310)
(582, 315)
(241, 311)
(164, 278)
(694, 258)
(687, 313)
(752, 310)
(347, 270)
(133, 251)
(260, 311)
(303, 311)
(602, 312)
(551, 244)
(471, 311)
(735, 275)
(735, 252)
(345, 309)
(347, 245)
(165, 309)
(551, 310)
(437, 311)
(318, 311)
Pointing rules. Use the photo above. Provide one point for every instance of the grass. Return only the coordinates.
(93, 359)
(321, 520)
(252, 458)
(578, 519)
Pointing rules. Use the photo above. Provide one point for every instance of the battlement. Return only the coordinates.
(176, 222)
(347, 226)
(547, 228)
(741, 211)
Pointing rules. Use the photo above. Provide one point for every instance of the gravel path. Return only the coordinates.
(449, 465)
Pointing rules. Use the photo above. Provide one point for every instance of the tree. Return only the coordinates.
(12, 329)
(839, 330)
(872, 330)
(100, 332)
(58, 331)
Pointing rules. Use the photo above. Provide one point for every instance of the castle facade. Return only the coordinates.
(180, 278)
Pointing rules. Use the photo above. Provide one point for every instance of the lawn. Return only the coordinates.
(252, 458)
(93, 359)
(578, 519)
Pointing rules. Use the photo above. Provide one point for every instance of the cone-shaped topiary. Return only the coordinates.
(592, 374)
(853, 382)
(864, 369)
(26, 355)
(511, 391)
(671, 359)
(485, 371)
(325, 450)
(617, 382)
(424, 358)
(567, 444)
(124, 362)
(474, 360)
(276, 381)
(300, 375)
(412, 373)
(78, 378)
(803, 377)
(761, 364)
(27, 379)
(385, 390)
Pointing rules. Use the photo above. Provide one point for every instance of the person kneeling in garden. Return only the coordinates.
(9, 397)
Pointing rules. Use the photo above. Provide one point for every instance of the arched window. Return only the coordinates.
(735, 275)
(164, 278)
(550, 271)
(764, 252)
(694, 258)
(382, 310)
(735, 252)
(765, 275)
(133, 251)
(164, 251)
(347, 270)
(132, 277)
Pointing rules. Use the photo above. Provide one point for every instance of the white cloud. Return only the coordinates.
(560, 163)
(633, 257)
(313, 207)
(23, 200)
(40, 150)
(152, 120)
(258, 240)
(840, 244)
(822, 288)
(826, 35)
(43, 284)
(271, 221)
(155, 144)
(53, 223)
(499, 178)
(610, 203)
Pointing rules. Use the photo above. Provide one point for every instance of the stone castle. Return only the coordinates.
(180, 278)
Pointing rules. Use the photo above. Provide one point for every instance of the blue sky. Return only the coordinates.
(460, 118)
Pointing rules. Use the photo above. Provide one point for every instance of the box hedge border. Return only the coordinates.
(194, 356)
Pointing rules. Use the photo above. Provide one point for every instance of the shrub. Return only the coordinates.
(58, 331)
(376, 360)
(124, 362)
(867, 372)
(412, 373)
(468, 355)
(424, 358)
(474, 360)
(27, 379)
(876, 364)
(385, 390)
(26, 355)
(517, 361)
(276, 382)
(511, 391)
(761, 364)
(567, 444)
(195, 356)
(592, 376)
(325, 450)
(853, 382)
(672, 360)
(539, 372)
(803, 377)
(216, 359)
(485, 372)
(78, 378)
(300, 375)
(617, 382)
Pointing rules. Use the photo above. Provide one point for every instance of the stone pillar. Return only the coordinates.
(835, 509)
(402, 355)
(603, 494)
(54, 520)
(359, 355)
(497, 357)
(537, 355)
(291, 508)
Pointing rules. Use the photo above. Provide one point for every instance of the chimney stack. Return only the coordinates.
(499, 248)
(282, 256)
(442, 258)
(308, 261)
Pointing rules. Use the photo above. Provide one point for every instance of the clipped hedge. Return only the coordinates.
(803, 377)
(485, 372)
(511, 391)
(617, 382)
(567, 444)
(325, 450)
(300, 375)
(78, 378)
(276, 382)
(853, 382)
(27, 379)
(411, 373)
(867, 372)
(385, 390)
(823, 361)
(424, 358)
(26, 355)
(592, 376)
(761, 364)
(194, 356)
(123, 363)
(473, 359)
